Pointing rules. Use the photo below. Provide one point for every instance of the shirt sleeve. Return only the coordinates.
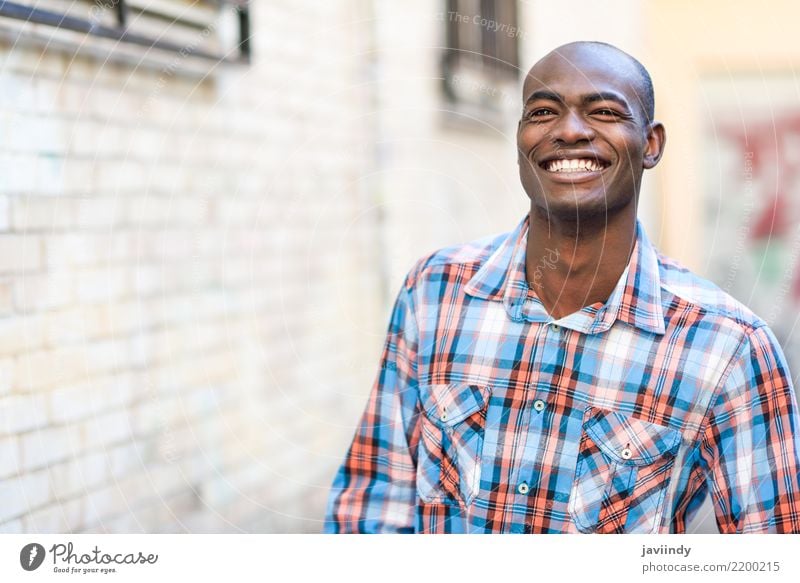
(750, 449)
(374, 490)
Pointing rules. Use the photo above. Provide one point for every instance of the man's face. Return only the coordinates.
(584, 140)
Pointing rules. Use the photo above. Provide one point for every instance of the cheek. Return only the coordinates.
(629, 144)
(529, 137)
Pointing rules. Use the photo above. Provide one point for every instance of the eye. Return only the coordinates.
(540, 112)
(606, 112)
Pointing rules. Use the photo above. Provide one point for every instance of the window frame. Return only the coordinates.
(120, 33)
(482, 57)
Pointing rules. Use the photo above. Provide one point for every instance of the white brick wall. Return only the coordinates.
(184, 276)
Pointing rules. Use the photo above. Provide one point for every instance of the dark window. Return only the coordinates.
(200, 30)
(481, 56)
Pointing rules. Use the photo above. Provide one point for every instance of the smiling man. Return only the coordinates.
(565, 376)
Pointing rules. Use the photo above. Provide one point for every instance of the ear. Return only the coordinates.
(656, 140)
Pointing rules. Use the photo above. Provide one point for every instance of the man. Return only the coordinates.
(565, 377)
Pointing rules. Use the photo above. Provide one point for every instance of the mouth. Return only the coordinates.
(577, 168)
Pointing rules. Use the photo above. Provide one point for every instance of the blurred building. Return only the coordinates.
(198, 256)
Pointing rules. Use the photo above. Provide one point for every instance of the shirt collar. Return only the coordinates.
(636, 299)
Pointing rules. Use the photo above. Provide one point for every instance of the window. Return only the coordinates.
(208, 31)
(481, 56)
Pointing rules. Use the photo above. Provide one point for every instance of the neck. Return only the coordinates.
(572, 264)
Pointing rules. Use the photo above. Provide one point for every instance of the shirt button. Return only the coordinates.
(523, 488)
(539, 405)
(443, 416)
(626, 453)
(555, 327)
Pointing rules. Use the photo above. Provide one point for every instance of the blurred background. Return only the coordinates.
(207, 208)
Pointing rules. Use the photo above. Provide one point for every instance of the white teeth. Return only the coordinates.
(574, 165)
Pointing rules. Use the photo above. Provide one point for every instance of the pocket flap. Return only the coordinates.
(449, 404)
(628, 440)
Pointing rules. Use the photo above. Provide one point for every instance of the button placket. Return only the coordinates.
(527, 478)
(535, 420)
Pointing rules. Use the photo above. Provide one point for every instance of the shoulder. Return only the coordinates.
(679, 281)
(758, 359)
(469, 256)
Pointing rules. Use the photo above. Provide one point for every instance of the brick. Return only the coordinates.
(29, 133)
(36, 293)
(49, 175)
(42, 214)
(22, 413)
(103, 284)
(78, 476)
(20, 334)
(121, 176)
(103, 356)
(22, 494)
(99, 212)
(149, 210)
(108, 429)
(18, 172)
(165, 477)
(7, 370)
(67, 404)
(29, 61)
(65, 516)
(72, 249)
(126, 458)
(12, 527)
(6, 297)
(47, 368)
(48, 446)
(17, 93)
(154, 414)
(78, 174)
(101, 504)
(94, 469)
(20, 253)
(71, 403)
(65, 327)
(9, 456)
(136, 488)
(5, 214)
(66, 480)
(149, 281)
(81, 139)
(119, 390)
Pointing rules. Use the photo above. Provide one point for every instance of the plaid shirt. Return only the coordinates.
(489, 416)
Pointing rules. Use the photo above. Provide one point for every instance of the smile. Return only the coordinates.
(574, 165)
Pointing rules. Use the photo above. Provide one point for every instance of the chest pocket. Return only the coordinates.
(451, 443)
(622, 473)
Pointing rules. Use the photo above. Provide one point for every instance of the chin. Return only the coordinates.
(577, 207)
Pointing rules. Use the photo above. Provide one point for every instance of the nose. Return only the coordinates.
(572, 128)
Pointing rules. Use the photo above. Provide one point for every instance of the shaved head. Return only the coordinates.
(628, 69)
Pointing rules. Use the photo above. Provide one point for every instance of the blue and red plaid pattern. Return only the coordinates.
(489, 416)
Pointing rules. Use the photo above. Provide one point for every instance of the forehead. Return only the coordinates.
(573, 73)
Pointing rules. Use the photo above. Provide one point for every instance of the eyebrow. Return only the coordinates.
(585, 100)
